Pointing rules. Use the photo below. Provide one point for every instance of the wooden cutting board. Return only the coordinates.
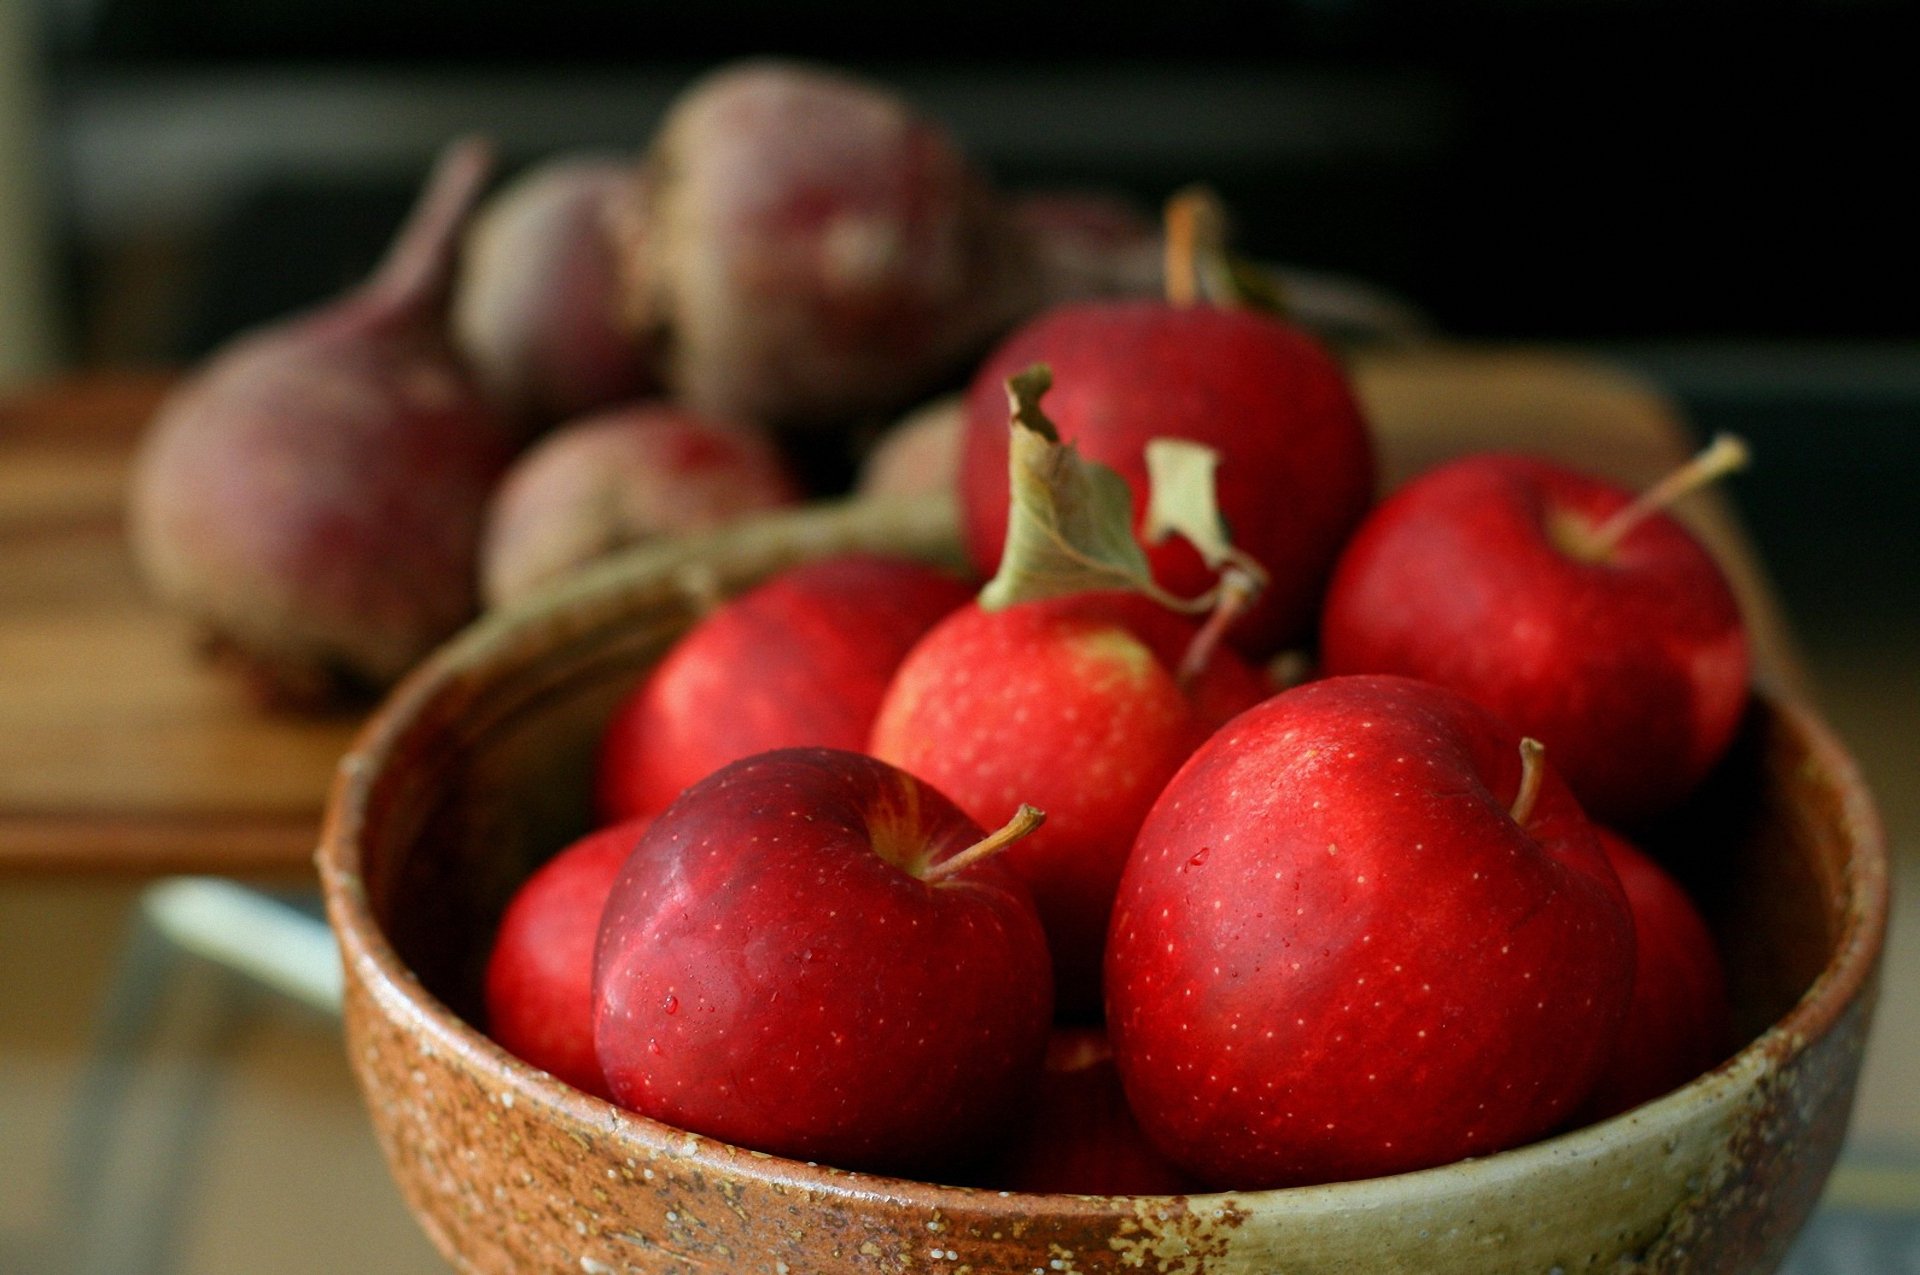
(120, 752)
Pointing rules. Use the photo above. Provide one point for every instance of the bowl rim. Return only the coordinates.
(501, 642)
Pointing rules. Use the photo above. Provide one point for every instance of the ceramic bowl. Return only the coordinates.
(476, 769)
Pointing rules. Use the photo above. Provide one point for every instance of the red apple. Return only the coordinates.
(539, 980)
(802, 659)
(804, 956)
(1296, 463)
(1625, 656)
(1081, 1138)
(1679, 1019)
(1358, 936)
(1071, 704)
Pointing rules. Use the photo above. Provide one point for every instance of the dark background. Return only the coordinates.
(1565, 170)
(1714, 192)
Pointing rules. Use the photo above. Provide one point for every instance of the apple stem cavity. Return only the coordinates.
(1024, 821)
(1725, 454)
(1532, 770)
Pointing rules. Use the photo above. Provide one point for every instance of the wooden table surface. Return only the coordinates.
(120, 752)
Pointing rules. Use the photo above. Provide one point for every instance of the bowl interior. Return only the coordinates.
(496, 787)
(1760, 849)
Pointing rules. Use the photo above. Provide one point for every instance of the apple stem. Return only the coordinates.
(1196, 234)
(1532, 770)
(1716, 460)
(1236, 592)
(1024, 821)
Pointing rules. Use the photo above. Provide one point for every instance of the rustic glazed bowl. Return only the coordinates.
(476, 769)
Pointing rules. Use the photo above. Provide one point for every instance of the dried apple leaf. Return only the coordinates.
(1070, 522)
(1183, 500)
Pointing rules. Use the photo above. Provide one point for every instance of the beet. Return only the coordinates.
(615, 479)
(919, 457)
(311, 497)
(814, 250)
(536, 308)
(1089, 244)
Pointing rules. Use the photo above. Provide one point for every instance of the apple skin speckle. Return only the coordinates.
(1680, 1021)
(539, 977)
(1297, 466)
(1518, 939)
(801, 660)
(809, 970)
(1633, 669)
(1095, 770)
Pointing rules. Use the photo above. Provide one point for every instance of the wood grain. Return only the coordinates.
(121, 752)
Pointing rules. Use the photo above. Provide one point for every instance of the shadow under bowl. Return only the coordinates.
(477, 769)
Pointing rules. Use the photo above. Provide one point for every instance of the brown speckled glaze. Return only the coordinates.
(475, 769)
